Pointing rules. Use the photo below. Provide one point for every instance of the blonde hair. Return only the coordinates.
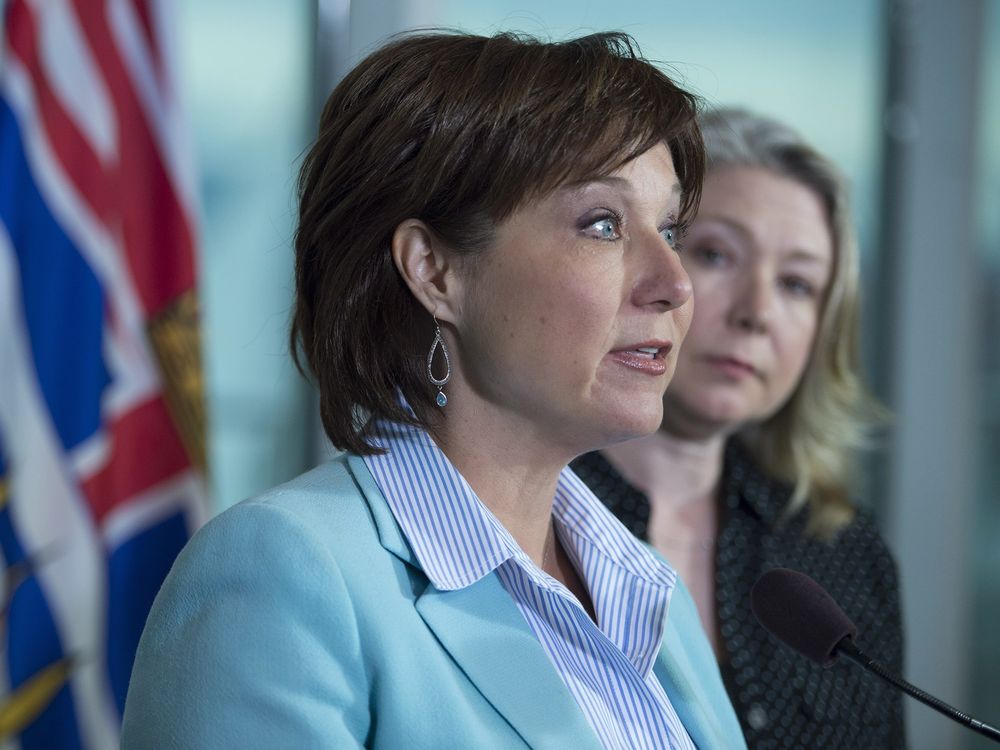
(811, 441)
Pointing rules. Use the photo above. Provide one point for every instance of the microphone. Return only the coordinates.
(798, 611)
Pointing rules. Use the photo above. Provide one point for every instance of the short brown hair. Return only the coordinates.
(457, 131)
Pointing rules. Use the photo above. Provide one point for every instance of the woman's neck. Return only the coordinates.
(512, 471)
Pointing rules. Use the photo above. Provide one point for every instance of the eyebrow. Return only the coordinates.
(612, 181)
(807, 256)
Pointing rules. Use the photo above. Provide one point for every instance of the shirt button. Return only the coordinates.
(757, 717)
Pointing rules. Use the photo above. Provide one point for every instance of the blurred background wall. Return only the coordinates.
(905, 96)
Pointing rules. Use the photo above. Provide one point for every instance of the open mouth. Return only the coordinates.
(651, 352)
(649, 357)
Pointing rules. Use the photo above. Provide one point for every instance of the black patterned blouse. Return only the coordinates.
(783, 700)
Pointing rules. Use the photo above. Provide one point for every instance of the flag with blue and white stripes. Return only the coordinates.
(101, 409)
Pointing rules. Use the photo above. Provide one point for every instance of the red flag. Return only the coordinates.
(101, 405)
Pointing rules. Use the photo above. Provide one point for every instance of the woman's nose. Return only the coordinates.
(752, 307)
(662, 280)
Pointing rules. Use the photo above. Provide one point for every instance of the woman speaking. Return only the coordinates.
(486, 287)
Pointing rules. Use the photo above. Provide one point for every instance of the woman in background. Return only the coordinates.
(751, 467)
(486, 288)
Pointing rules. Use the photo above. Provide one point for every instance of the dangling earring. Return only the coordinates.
(441, 399)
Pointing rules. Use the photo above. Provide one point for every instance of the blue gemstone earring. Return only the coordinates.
(441, 398)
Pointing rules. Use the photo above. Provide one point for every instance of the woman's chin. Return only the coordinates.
(703, 418)
(631, 425)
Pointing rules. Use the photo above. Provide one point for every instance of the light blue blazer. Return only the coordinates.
(301, 619)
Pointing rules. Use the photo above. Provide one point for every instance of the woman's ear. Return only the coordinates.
(427, 267)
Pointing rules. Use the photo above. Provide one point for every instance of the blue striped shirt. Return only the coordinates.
(457, 540)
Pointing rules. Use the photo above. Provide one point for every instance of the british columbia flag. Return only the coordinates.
(101, 409)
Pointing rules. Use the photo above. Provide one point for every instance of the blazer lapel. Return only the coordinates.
(486, 635)
(677, 675)
(683, 668)
(389, 533)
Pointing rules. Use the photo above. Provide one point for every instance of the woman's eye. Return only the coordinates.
(672, 235)
(798, 286)
(710, 256)
(607, 228)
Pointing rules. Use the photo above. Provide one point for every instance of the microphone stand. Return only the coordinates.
(847, 648)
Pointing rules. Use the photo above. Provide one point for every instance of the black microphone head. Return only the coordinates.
(798, 611)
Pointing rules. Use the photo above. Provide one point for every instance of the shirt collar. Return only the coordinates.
(456, 538)
(588, 521)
